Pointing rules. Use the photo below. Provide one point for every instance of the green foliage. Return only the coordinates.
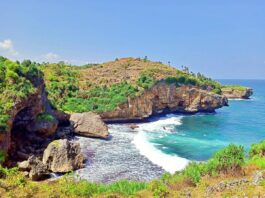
(158, 188)
(231, 158)
(7, 172)
(194, 171)
(236, 87)
(145, 81)
(44, 117)
(257, 149)
(2, 156)
(101, 99)
(17, 81)
(84, 188)
(258, 161)
(61, 83)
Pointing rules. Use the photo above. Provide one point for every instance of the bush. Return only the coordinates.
(158, 188)
(145, 81)
(257, 150)
(194, 171)
(231, 158)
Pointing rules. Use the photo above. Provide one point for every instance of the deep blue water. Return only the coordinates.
(197, 137)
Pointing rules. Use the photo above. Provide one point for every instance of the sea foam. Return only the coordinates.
(170, 163)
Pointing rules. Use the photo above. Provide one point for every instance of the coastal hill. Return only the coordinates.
(43, 105)
(133, 89)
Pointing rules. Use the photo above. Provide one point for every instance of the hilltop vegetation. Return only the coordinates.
(16, 83)
(102, 87)
(92, 87)
(227, 166)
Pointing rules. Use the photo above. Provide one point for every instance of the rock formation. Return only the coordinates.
(89, 124)
(63, 156)
(37, 170)
(165, 97)
(233, 93)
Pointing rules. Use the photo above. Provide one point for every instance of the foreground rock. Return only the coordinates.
(89, 124)
(233, 93)
(37, 170)
(63, 156)
(166, 98)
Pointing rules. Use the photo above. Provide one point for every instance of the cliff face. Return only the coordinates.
(21, 134)
(165, 97)
(233, 93)
(33, 105)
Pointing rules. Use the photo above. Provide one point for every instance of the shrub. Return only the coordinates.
(257, 149)
(145, 81)
(194, 171)
(158, 188)
(231, 158)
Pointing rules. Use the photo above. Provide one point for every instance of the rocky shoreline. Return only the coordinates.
(39, 135)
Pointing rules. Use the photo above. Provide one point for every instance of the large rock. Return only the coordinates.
(233, 93)
(89, 124)
(63, 156)
(166, 98)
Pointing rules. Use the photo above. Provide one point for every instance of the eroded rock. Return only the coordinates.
(164, 97)
(89, 124)
(63, 156)
(232, 93)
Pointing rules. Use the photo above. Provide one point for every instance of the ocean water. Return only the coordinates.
(170, 142)
(197, 137)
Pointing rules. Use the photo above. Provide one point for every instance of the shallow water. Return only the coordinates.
(168, 143)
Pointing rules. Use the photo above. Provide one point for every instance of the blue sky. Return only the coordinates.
(222, 39)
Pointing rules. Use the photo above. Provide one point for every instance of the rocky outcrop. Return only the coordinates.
(89, 124)
(37, 170)
(63, 156)
(165, 97)
(233, 93)
(22, 112)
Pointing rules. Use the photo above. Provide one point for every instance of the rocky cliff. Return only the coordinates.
(164, 97)
(22, 112)
(233, 93)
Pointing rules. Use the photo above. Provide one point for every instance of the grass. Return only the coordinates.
(235, 87)
(195, 178)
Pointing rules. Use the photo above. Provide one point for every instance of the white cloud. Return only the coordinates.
(7, 47)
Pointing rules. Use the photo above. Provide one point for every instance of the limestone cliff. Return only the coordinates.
(233, 93)
(165, 97)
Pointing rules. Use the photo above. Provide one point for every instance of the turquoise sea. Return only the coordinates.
(197, 137)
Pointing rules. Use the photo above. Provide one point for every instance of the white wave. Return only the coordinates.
(170, 163)
(165, 125)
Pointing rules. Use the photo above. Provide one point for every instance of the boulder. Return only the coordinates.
(63, 156)
(89, 124)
